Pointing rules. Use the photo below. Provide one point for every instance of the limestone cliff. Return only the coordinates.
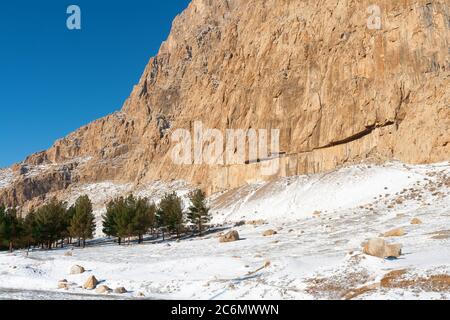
(339, 92)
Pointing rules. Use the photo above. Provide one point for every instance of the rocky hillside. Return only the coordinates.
(339, 92)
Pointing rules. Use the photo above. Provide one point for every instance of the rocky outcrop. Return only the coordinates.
(338, 91)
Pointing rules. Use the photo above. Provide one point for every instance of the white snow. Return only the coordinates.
(6, 178)
(313, 256)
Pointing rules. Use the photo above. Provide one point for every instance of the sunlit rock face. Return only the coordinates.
(339, 91)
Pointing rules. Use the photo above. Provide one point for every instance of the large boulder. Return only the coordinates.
(76, 269)
(230, 236)
(416, 221)
(269, 233)
(103, 289)
(379, 248)
(120, 290)
(91, 283)
(375, 247)
(393, 250)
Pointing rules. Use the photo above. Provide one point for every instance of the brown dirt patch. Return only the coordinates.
(433, 283)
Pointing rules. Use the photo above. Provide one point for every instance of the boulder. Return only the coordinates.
(392, 250)
(398, 232)
(76, 269)
(416, 221)
(120, 290)
(103, 289)
(379, 248)
(91, 283)
(230, 236)
(375, 247)
(269, 233)
(68, 254)
(63, 284)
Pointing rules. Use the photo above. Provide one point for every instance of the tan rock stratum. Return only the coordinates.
(339, 92)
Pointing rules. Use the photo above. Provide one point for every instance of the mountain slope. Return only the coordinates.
(314, 255)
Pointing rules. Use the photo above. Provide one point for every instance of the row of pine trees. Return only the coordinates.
(129, 217)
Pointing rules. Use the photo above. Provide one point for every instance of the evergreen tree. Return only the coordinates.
(70, 213)
(82, 224)
(170, 213)
(50, 222)
(198, 212)
(125, 218)
(30, 235)
(10, 227)
(114, 209)
(143, 217)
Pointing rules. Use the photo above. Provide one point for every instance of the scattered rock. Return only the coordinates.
(269, 233)
(257, 222)
(230, 236)
(141, 294)
(120, 290)
(398, 232)
(416, 221)
(76, 269)
(379, 248)
(103, 289)
(239, 223)
(63, 284)
(91, 283)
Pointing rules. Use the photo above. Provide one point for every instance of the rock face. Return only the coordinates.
(337, 90)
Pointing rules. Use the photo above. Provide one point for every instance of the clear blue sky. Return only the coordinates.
(53, 80)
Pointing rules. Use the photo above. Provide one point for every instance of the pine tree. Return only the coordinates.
(30, 235)
(82, 224)
(113, 210)
(129, 217)
(198, 212)
(170, 213)
(124, 218)
(70, 213)
(144, 217)
(50, 222)
(10, 227)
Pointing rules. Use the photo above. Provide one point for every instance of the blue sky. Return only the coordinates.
(53, 80)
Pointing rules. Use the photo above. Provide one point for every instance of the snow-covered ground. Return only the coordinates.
(321, 221)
